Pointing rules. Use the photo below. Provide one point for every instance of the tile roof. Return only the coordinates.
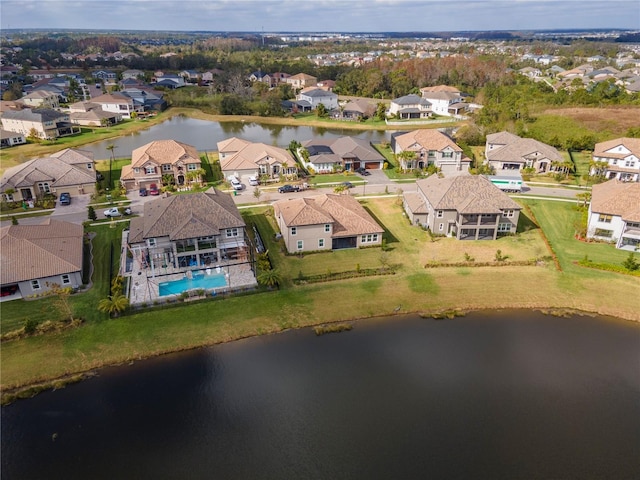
(440, 88)
(415, 202)
(38, 251)
(343, 211)
(617, 198)
(429, 139)
(34, 115)
(253, 154)
(164, 152)
(631, 144)
(465, 194)
(518, 149)
(186, 216)
(232, 144)
(502, 138)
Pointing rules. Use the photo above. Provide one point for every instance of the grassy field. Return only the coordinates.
(101, 341)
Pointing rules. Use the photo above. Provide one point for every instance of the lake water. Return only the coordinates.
(489, 396)
(204, 135)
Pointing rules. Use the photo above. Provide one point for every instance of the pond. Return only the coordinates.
(495, 395)
(204, 135)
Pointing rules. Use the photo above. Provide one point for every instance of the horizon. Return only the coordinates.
(329, 16)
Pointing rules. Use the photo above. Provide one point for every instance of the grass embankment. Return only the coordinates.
(413, 288)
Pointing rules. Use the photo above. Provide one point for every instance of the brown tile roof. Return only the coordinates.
(232, 144)
(38, 251)
(415, 202)
(440, 88)
(429, 139)
(617, 198)
(521, 148)
(502, 138)
(186, 216)
(345, 212)
(631, 144)
(164, 152)
(465, 194)
(107, 98)
(252, 154)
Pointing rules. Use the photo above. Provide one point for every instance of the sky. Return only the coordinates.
(320, 15)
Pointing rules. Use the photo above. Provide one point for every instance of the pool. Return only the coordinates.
(198, 280)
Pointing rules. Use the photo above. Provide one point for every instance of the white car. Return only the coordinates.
(253, 181)
(112, 212)
(235, 183)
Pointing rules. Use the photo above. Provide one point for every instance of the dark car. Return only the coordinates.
(287, 189)
(347, 184)
(65, 199)
(153, 189)
(363, 171)
(143, 192)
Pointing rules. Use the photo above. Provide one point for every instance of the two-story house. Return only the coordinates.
(41, 99)
(410, 106)
(344, 153)
(301, 80)
(467, 207)
(618, 158)
(117, 103)
(69, 170)
(429, 147)
(106, 76)
(153, 161)
(444, 100)
(325, 222)
(188, 237)
(316, 96)
(508, 153)
(240, 158)
(45, 123)
(614, 214)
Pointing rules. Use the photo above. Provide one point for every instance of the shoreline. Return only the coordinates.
(30, 389)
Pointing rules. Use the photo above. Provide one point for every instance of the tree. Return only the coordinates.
(321, 111)
(269, 278)
(91, 213)
(631, 263)
(339, 188)
(14, 220)
(257, 193)
(60, 299)
(111, 148)
(381, 111)
(33, 134)
(113, 304)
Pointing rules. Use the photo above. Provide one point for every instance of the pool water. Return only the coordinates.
(199, 280)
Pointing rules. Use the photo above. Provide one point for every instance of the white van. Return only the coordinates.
(253, 181)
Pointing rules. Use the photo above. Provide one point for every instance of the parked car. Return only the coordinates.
(347, 184)
(143, 192)
(127, 211)
(65, 198)
(253, 181)
(363, 171)
(235, 184)
(153, 189)
(288, 189)
(112, 212)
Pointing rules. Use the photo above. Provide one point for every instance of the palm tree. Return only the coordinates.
(270, 278)
(113, 304)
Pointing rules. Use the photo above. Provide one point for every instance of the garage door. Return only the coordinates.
(372, 165)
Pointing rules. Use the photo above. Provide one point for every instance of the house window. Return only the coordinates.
(441, 227)
(136, 170)
(150, 170)
(151, 242)
(8, 197)
(447, 154)
(327, 228)
(66, 280)
(633, 225)
(321, 243)
(507, 213)
(192, 167)
(232, 232)
(89, 166)
(369, 238)
(605, 218)
(432, 153)
(294, 230)
(504, 227)
(439, 214)
(35, 284)
(600, 232)
(300, 244)
(263, 170)
(44, 187)
(166, 167)
(629, 163)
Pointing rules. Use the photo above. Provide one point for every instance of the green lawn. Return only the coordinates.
(392, 170)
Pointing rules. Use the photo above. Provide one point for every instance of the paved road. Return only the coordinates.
(376, 183)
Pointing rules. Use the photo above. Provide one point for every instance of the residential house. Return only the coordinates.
(117, 103)
(69, 170)
(240, 157)
(429, 147)
(620, 159)
(301, 80)
(410, 106)
(191, 76)
(155, 160)
(274, 79)
(357, 109)
(467, 207)
(445, 100)
(508, 153)
(41, 99)
(34, 257)
(10, 139)
(145, 99)
(345, 153)
(200, 231)
(614, 214)
(325, 222)
(317, 96)
(91, 114)
(106, 76)
(135, 74)
(43, 123)
(169, 80)
(530, 72)
(326, 84)
(209, 74)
